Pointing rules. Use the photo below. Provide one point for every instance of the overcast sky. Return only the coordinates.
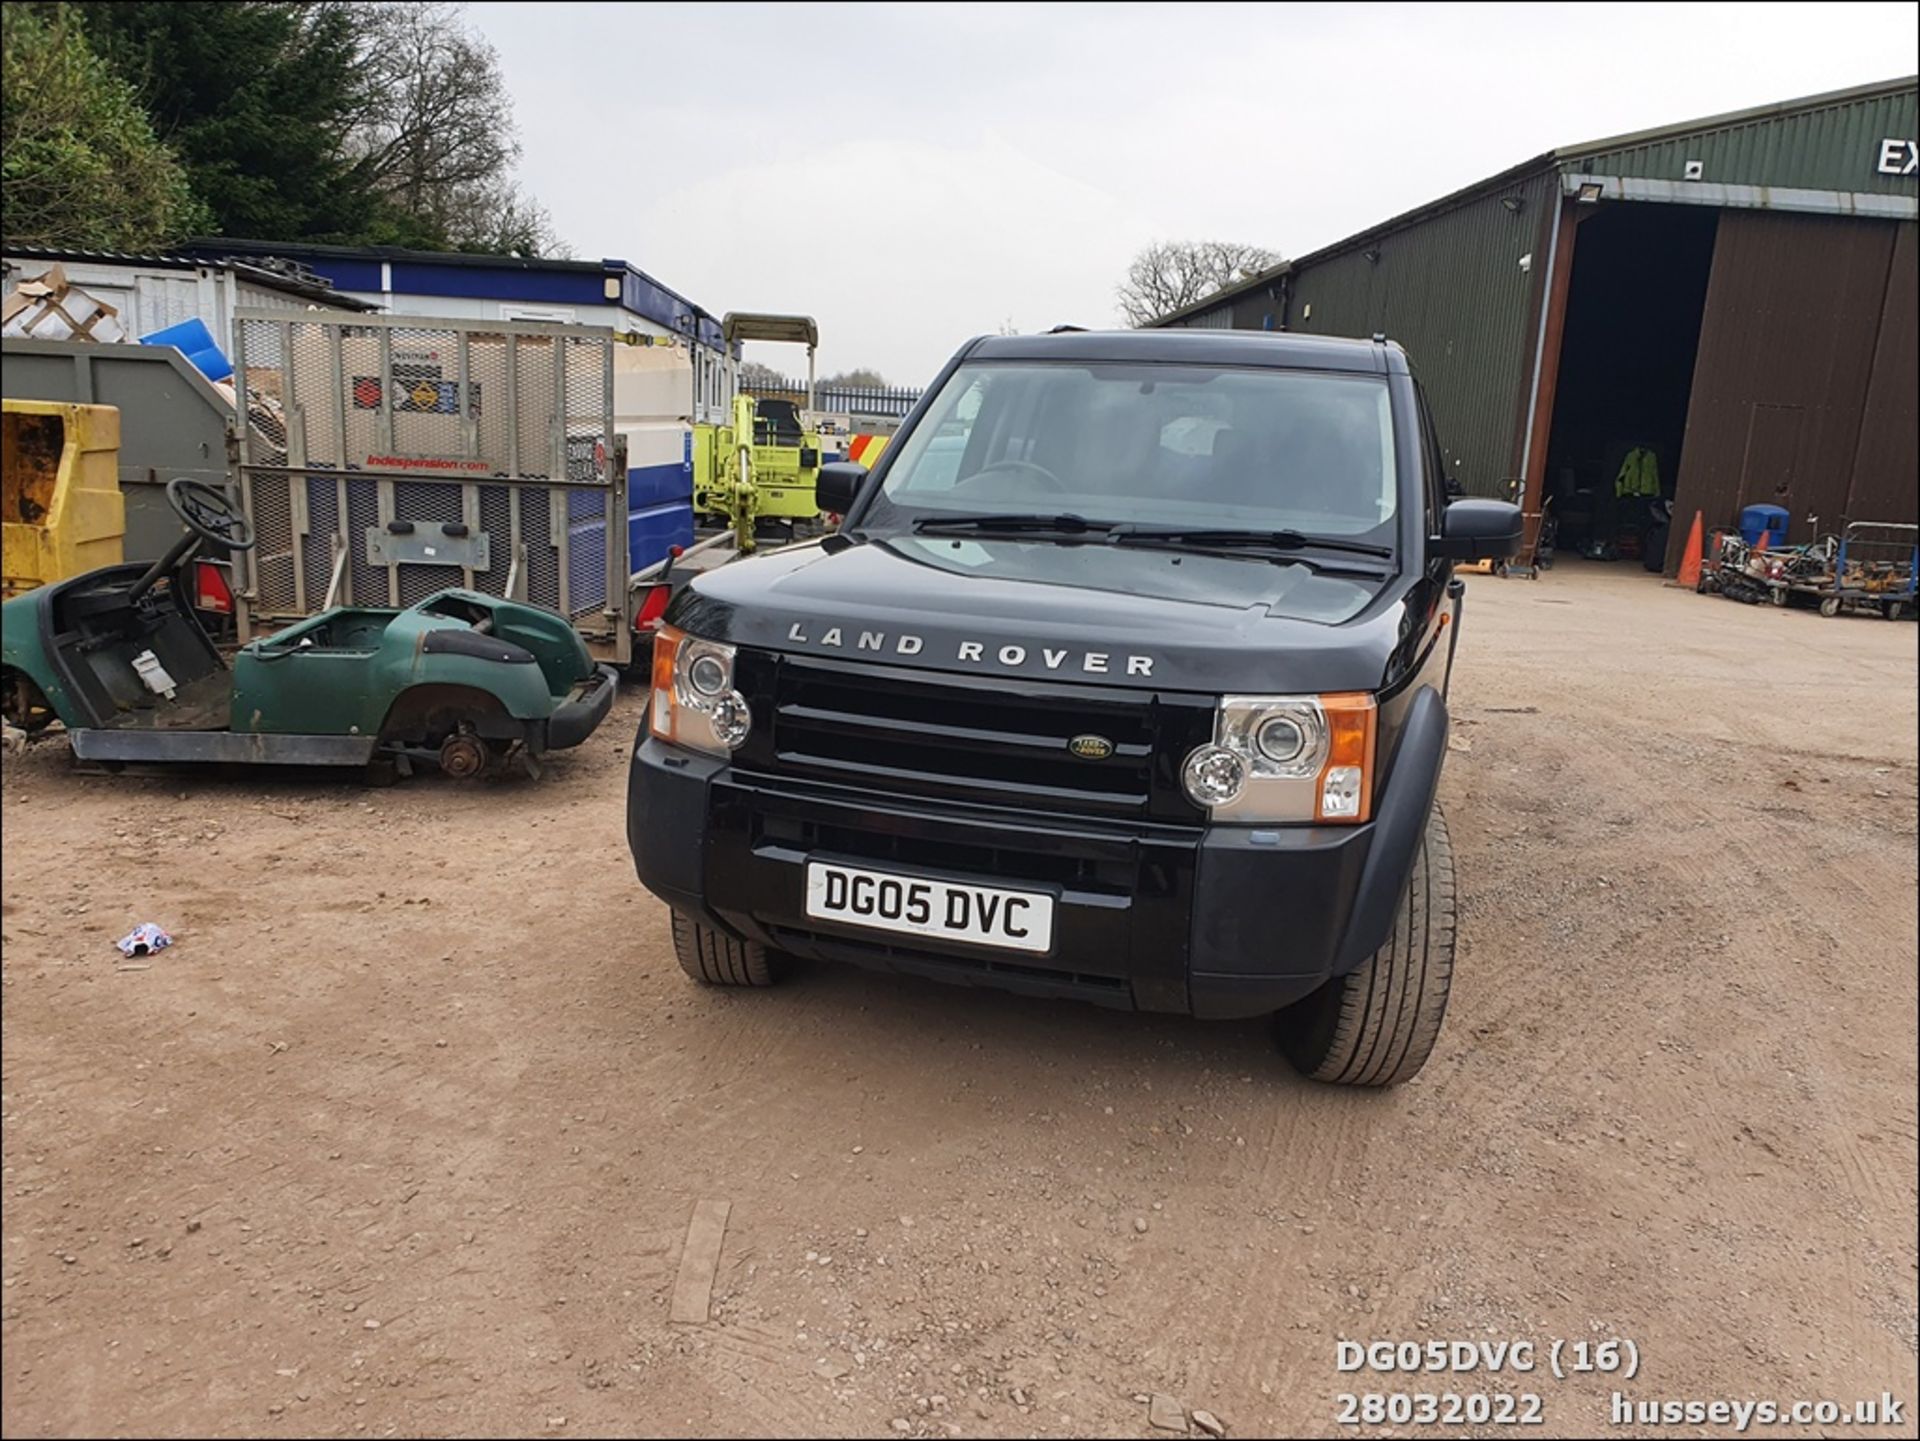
(913, 175)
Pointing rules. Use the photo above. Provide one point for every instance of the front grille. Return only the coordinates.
(1108, 867)
(988, 739)
(962, 969)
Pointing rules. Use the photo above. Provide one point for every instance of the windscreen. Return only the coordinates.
(1182, 445)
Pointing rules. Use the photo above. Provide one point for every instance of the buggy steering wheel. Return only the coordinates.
(208, 513)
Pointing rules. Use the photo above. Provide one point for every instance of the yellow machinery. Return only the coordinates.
(61, 511)
(764, 464)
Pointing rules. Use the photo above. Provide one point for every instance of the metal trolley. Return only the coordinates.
(1874, 567)
(1535, 552)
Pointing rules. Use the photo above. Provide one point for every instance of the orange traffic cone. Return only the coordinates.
(1765, 536)
(1689, 575)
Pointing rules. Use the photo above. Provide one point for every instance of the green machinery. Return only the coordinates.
(465, 681)
(763, 465)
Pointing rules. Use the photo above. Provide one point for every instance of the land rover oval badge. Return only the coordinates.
(1090, 747)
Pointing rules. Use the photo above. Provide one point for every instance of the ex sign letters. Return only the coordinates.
(1899, 157)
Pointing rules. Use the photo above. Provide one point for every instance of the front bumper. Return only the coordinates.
(580, 714)
(1218, 922)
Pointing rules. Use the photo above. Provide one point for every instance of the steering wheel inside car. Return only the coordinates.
(208, 513)
(1047, 479)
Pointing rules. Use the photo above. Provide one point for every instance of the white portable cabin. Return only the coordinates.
(152, 292)
(654, 409)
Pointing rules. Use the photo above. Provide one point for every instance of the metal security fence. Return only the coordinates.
(387, 457)
(892, 401)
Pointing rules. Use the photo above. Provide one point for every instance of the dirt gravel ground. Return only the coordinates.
(404, 1134)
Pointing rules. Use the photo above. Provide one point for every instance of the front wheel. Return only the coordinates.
(715, 958)
(1376, 1025)
(1830, 607)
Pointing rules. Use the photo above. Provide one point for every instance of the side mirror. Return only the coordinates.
(839, 485)
(1472, 529)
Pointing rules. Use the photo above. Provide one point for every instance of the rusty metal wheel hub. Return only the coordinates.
(463, 756)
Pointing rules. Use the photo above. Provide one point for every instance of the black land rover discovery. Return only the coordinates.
(1124, 679)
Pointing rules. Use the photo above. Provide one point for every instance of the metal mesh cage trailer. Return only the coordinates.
(387, 457)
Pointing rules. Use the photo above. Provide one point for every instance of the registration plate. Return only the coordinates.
(946, 910)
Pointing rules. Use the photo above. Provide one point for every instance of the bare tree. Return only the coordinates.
(758, 375)
(434, 130)
(1171, 274)
(860, 378)
(502, 219)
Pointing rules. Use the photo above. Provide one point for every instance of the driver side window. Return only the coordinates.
(939, 465)
(1004, 424)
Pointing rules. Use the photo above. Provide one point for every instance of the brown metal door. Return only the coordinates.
(1773, 451)
(1886, 467)
(1786, 349)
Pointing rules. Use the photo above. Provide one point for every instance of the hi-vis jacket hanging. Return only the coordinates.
(1639, 473)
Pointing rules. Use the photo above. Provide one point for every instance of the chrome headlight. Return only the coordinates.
(694, 700)
(1286, 758)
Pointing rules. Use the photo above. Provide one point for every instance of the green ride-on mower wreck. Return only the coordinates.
(468, 682)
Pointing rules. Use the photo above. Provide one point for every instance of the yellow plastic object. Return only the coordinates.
(61, 511)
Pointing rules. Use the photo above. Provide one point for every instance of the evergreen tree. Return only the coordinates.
(256, 97)
(133, 122)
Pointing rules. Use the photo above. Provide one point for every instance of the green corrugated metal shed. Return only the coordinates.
(1460, 282)
(1829, 142)
(1455, 287)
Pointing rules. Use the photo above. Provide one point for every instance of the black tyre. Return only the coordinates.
(715, 958)
(1376, 1025)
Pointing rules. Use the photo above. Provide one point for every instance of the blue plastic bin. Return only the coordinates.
(193, 340)
(1769, 518)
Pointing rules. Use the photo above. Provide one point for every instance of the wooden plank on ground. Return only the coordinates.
(699, 1259)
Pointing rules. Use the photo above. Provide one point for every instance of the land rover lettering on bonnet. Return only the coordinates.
(1122, 680)
(1011, 656)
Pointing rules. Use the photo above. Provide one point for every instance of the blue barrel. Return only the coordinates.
(193, 340)
(1769, 518)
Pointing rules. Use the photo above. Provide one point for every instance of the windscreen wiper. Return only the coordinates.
(1249, 539)
(1015, 524)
